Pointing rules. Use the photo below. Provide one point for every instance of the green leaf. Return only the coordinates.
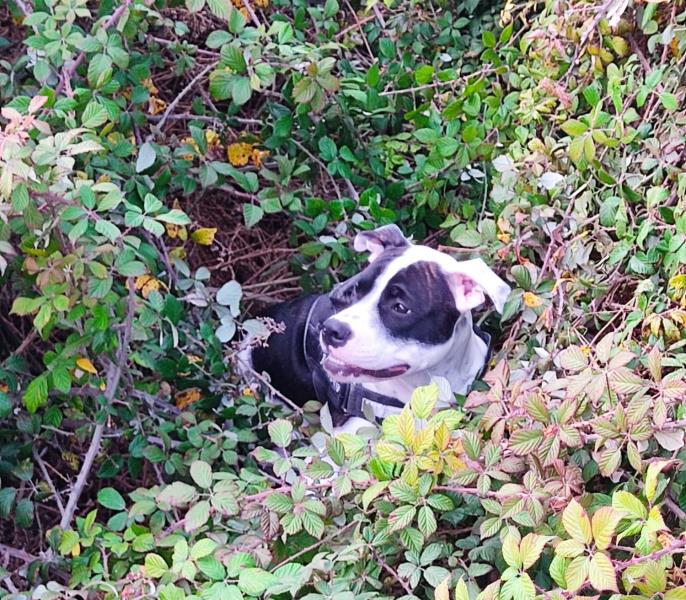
(236, 21)
(255, 581)
(278, 502)
(36, 394)
(401, 517)
(602, 573)
(280, 432)
(424, 74)
(221, 8)
(669, 101)
(525, 441)
(630, 504)
(146, 157)
(424, 400)
(197, 516)
(373, 492)
(570, 549)
(99, 71)
(313, 524)
(576, 522)
(175, 217)
(111, 498)
(23, 514)
(426, 521)
(574, 127)
(177, 494)
(234, 59)
(155, 566)
(252, 214)
(211, 568)
(26, 306)
(241, 90)
(202, 548)
(201, 473)
(440, 502)
(327, 149)
(70, 539)
(93, 115)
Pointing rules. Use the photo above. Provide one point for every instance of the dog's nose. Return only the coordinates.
(335, 333)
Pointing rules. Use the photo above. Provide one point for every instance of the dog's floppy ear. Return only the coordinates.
(472, 280)
(375, 242)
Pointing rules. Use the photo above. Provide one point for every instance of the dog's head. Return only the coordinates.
(401, 313)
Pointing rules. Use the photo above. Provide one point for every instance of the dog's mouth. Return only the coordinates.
(338, 368)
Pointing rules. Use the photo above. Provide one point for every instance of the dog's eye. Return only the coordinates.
(399, 307)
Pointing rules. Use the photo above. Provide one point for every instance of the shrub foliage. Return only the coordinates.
(167, 166)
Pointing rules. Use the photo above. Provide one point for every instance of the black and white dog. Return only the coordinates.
(404, 319)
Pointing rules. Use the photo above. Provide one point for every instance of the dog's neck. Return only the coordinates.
(461, 365)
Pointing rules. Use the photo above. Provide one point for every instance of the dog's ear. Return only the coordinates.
(472, 280)
(375, 242)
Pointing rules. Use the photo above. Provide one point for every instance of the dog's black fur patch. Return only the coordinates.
(360, 285)
(422, 288)
(284, 359)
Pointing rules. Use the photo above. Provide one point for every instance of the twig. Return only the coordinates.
(48, 479)
(28, 340)
(251, 12)
(436, 84)
(271, 388)
(67, 72)
(392, 571)
(328, 538)
(24, 7)
(321, 165)
(184, 91)
(678, 545)
(355, 25)
(16, 553)
(114, 375)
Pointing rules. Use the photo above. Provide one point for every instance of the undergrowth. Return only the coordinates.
(169, 168)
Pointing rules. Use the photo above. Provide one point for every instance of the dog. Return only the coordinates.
(401, 322)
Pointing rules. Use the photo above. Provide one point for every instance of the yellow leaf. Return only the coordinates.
(405, 425)
(654, 469)
(531, 300)
(239, 154)
(76, 550)
(4, 388)
(156, 105)
(511, 552)
(602, 573)
(187, 397)
(258, 156)
(150, 86)
(577, 573)
(531, 547)
(262, 3)
(442, 437)
(576, 522)
(147, 284)
(604, 521)
(86, 365)
(212, 138)
(204, 236)
(442, 592)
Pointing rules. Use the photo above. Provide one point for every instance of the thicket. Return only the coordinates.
(167, 168)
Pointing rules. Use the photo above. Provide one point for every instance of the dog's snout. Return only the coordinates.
(335, 333)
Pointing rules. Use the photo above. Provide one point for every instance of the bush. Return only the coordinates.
(166, 168)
